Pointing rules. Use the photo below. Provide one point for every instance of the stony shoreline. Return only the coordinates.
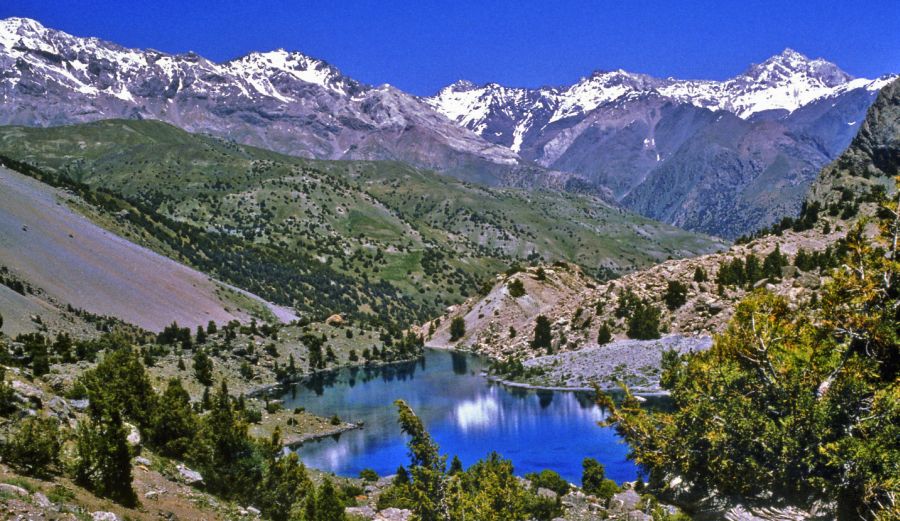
(635, 363)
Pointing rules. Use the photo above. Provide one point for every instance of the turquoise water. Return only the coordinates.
(467, 415)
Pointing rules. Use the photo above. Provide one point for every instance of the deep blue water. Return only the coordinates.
(465, 413)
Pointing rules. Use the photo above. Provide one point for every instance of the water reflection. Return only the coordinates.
(466, 414)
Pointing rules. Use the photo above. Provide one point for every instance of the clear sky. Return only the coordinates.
(420, 46)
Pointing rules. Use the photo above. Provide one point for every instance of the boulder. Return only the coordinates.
(393, 514)
(6, 488)
(364, 512)
(104, 516)
(134, 435)
(335, 320)
(41, 500)
(140, 460)
(188, 476)
(624, 501)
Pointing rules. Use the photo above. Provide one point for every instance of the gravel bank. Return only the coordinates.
(634, 362)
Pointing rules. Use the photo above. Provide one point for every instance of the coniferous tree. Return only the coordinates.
(203, 367)
(427, 467)
(700, 274)
(604, 335)
(329, 506)
(457, 328)
(33, 446)
(543, 336)
(643, 324)
(104, 460)
(174, 424)
(675, 295)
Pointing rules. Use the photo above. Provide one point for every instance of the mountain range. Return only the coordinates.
(724, 157)
(721, 157)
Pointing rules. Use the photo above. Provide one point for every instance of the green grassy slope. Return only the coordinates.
(398, 242)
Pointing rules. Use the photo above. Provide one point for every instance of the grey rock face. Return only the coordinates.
(720, 157)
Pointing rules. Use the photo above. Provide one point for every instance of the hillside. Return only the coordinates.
(578, 306)
(74, 261)
(349, 237)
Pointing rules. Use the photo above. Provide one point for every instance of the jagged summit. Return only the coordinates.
(790, 63)
(282, 100)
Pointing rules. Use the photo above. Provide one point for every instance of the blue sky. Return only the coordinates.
(423, 45)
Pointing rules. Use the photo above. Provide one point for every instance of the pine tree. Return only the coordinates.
(457, 328)
(604, 335)
(174, 423)
(543, 336)
(427, 467)
(203, 367)
(700, 274)
(33, 446)
(104, 460)
(329, 506)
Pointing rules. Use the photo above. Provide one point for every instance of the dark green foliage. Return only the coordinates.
(203, 367)
(33, 446)
(643, 324)
(329, 506)
(316, 355)
(174, 424)
(752, 269)
(368, 475)
(594, 482)
(427, 466)
(604, 335)
(782, 379)
(773, 263)
(700, 274)
(285, 484)
(7, 395)
(543, 336)
(516, 288)
(36, 352)
(457, 328)
(540, 274)
(120, 383)
(104, 460)
(675, 295)
(223, 451)
(455, 466)
(550, 480)
(731, 273)
(174, 335)
(201, 336)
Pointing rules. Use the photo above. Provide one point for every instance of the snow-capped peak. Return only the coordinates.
(790, 64)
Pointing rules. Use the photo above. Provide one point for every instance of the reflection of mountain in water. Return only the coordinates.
(467, 415)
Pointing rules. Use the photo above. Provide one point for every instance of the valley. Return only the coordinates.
(257, 288)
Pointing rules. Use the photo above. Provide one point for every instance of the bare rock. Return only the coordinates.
(13, 489)
(104, 516)
(188, 476)
(393, 514)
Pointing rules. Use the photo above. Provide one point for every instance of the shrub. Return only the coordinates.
(675, 295)
(643, 324)
(368, 475)
(33, 447)
(516, 288)
(550, 480)
(457, 328)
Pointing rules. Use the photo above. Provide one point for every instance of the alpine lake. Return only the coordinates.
(467, 414)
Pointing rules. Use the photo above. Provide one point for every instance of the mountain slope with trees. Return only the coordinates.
(360, 238)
